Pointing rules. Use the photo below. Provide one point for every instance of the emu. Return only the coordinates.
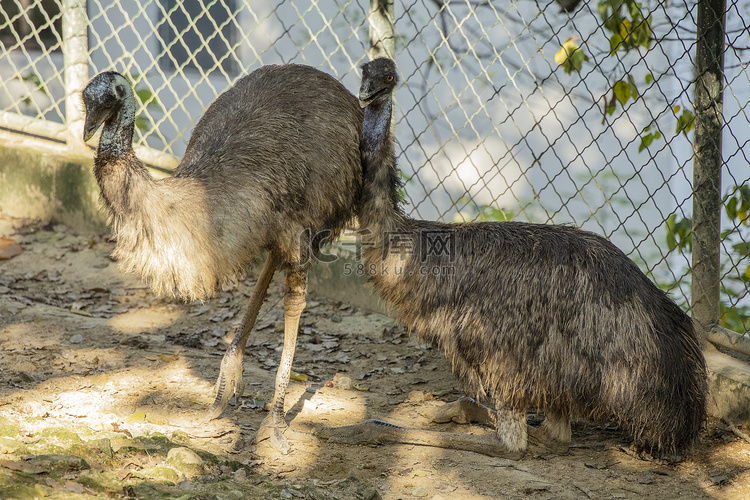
(528, 315)
(273, 164)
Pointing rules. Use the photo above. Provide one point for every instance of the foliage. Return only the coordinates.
(628, 27)
(37, 81)
(482, 212)
(735, 274)
(570, 56)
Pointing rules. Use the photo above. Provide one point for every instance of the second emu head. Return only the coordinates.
(105, 96)
(379, 78)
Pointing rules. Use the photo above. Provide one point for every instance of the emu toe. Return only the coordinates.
(541, 443)
(230, 383)
(462, 411)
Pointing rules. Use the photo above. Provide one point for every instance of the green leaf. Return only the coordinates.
(731, 207)
(742, 248)
(646, 141)
(685, 122)
(570, 56)
(615, 42)
(649, 78)
(622, 91)
(143, 123)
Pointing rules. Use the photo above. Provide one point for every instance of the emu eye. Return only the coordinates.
(389, 78)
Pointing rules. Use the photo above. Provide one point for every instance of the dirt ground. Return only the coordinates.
(103, 387)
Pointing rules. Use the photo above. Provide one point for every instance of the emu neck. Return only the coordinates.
(380, 210)
(116, 168)
(117, 133)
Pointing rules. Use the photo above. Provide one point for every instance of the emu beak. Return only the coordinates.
(91, 125)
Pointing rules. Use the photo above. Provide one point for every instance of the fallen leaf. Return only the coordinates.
(362, 388)
(201, 401)
(136, 417)
(9, 249)
(167, 358)
(300, 377)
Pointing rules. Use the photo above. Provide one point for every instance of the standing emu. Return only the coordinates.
(527, 314)
(274, 160)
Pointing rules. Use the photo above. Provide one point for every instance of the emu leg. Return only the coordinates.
(553, 436)
(462, 411)
(375, 432)
(273, 426)
(230, 382)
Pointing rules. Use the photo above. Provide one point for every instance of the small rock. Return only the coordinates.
(186, 486)
(336, 319)
(186, 461)
(344, 383)
(718, 480)
(419, 492)
(76, 339)
(419, 397)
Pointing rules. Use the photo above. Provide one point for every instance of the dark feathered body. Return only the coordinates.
(533, 314)
(275, 155)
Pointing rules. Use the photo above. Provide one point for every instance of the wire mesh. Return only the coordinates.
(509, 110)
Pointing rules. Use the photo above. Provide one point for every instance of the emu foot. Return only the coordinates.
(275, 431)
(462, 411)
(541, 443)
(230, 383)
(376, 432)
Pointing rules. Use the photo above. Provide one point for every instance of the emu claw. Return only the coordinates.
(274, 432)
(230, 383)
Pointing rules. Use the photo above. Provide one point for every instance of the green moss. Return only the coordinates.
(161, 474)
(62, 434)
(13, 446)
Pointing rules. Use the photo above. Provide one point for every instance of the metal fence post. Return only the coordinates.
(76, 57)
(707, 163)
(382, 40)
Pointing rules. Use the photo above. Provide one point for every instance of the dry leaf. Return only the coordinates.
(167, 358)
(136, 418)
(9, 249)
(300, 377)
(201, 401)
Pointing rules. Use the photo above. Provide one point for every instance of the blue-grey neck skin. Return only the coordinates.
(380, 210)
(377, 126)
(117, 133)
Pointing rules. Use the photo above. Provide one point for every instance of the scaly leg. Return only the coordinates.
(274, 425)
(508, 442)
(373, 432)
(230, 382)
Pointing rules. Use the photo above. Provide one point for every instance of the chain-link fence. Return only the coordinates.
(550, 111)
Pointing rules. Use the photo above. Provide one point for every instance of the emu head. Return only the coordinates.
(104, 96)
(379, 78)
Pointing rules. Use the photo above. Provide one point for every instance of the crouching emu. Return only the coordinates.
(274, 159)
(527, 314)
